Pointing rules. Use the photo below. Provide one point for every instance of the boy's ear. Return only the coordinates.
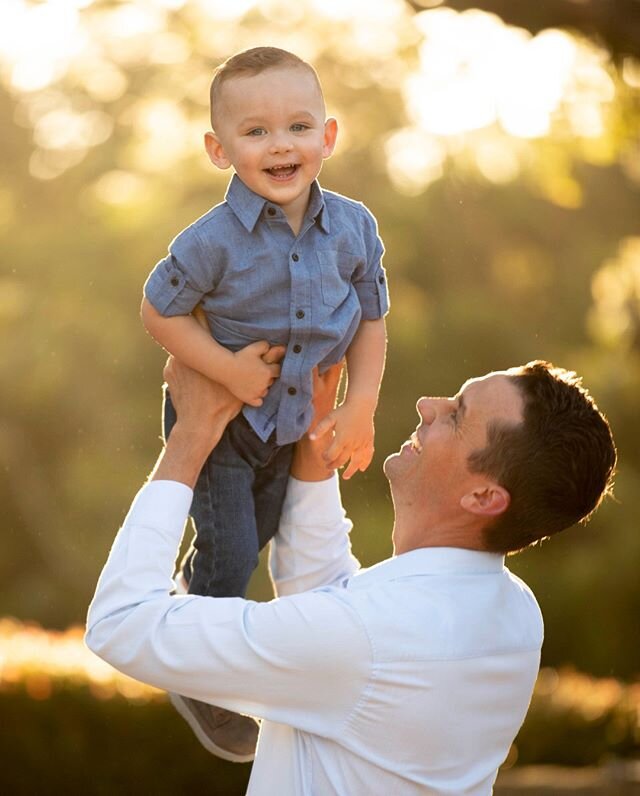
(330, 135)
(215, 150)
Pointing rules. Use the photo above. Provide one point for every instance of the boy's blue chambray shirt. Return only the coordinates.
(257, 281)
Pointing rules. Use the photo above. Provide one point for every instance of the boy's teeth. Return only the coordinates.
(280, 170)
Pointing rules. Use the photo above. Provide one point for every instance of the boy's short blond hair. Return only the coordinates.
(253, 62)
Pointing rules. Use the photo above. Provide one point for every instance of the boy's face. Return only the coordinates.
(271, 128)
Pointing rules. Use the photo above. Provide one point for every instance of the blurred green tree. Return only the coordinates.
(502, 167)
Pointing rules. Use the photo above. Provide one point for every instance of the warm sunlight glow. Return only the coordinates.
(472, 86)
(386, 12)
(615, 316)
(414, 159)
(164, 135)
(223, 10)
(39, 660)
(38, 42)
(475, 70)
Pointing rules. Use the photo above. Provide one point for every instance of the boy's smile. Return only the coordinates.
(272, 130)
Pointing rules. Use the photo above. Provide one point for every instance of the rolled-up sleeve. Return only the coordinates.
(370, 281)
(179, 281)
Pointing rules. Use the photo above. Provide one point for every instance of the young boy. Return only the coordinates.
(280, 263)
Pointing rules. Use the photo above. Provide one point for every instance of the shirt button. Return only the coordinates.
(295, 258)
(175, 281)
(300, 314)
(381, 279)
(292, 391)
(271, 211)
(297, 349)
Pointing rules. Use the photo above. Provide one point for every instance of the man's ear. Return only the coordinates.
(215, 150)
(330, 136)
(489, 500)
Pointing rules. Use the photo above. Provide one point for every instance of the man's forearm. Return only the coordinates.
(204, 409)
(183, 457)
(312, 547)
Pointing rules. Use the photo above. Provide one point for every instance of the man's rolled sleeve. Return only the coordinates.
(179, 281)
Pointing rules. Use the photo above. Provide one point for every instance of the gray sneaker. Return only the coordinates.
(225, 734)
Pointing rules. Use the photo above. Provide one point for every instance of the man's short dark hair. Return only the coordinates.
(557, 465)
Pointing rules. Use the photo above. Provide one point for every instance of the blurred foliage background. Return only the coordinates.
(497, 143)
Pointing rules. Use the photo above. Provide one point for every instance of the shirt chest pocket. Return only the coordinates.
(336, 271)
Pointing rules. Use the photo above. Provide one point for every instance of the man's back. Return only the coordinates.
(454, 646)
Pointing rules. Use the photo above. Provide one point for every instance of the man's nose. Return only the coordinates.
(426, 409)
(429, 408)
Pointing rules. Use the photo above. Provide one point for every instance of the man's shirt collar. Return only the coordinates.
(430, 561)
(249, 206)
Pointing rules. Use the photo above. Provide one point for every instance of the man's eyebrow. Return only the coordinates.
(462, 407)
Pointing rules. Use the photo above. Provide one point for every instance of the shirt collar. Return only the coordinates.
(249, 206)
(430, 561)
(318, 209)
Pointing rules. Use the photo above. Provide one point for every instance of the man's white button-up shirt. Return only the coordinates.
(410, 677)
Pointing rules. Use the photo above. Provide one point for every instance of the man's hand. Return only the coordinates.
(203, 407)
(252, 371)
(203, 410)
(351, 426)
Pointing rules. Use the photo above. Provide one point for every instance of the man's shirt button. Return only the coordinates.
(381, 279)
(292, 391)
(297, 349)
(295, 258)
(300, 314)
(175, 281)
(271, 211)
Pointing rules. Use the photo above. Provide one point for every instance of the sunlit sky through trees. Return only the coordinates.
(503, 168)
(470, 84)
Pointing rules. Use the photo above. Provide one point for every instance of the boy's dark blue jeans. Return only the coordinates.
(236, 507)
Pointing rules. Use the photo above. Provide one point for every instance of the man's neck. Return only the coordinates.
(412, 534)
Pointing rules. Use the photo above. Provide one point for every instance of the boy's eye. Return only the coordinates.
(257, 131)
(299, 127)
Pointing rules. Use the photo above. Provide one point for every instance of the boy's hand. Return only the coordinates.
(352, 425)
(308, 455)
(252, 371)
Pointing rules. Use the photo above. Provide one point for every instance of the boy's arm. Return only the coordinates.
(243, 373)
(352, 421)
(365, 364)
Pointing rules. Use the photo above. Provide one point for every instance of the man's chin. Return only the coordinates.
(390, 465)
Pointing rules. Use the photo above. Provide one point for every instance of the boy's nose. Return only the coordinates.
(281, 143)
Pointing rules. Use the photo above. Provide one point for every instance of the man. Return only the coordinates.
(410, 677)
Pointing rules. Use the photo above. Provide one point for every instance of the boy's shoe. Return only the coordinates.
(225, 734)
